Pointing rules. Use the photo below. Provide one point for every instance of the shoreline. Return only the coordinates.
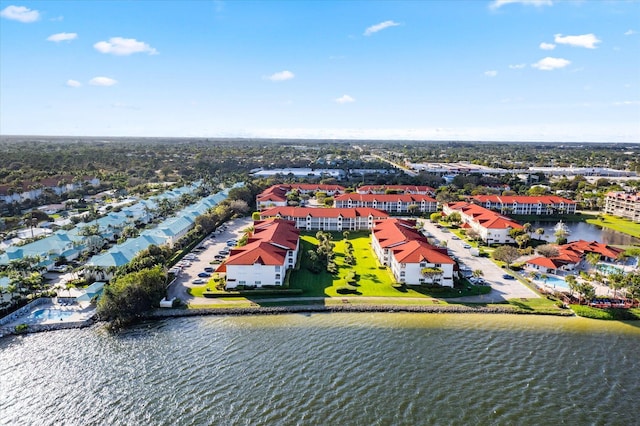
(294, 309)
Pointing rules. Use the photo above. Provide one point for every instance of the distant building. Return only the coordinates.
(276, 195)
(302, 173)
(582, 171)
(412, 260)
(392, 203)
(623, 204)
(492, 227)
(526, 205)
(329, 219)
(401, 189)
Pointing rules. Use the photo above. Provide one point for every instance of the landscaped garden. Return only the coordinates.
(366, 277)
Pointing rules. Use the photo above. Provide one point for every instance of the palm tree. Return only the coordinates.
(592, 259)
(540, 233)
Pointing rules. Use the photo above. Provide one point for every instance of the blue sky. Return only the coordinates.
(521, 70)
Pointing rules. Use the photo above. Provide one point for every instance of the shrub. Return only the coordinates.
(21, 328)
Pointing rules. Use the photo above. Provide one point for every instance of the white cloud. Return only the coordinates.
(124, 46)
(345, 99)
(73, 83)
(549, 63)
(630, 32)
(62, 37)
(626, 103)
(547, 46)
(102, 81)
(586, 40)
(496, 4)
(281, 76)
(517, 66)
(491, 73)
(20, 13)
(379, 27)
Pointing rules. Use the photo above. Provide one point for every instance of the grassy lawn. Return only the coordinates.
(373, 280)
(632, 314)
(617, 224)
(538, 305)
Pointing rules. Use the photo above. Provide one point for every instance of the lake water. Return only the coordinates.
(585, 231)
(329, 369)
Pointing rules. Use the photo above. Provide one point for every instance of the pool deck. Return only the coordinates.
(79, 315)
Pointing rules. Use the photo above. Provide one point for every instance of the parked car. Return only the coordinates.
(467, 246)
(198, 281)
(455, 237)
(204, 275)
(219, 257)
(508, 277)
(208, 269)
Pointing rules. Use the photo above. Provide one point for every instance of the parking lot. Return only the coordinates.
(203, 256)
(501, 288)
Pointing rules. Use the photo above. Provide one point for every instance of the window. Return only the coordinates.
(402, 274)
(403, 266)
(258, 283)
(277, 276)
(437, 265)
(278, 268)
(423, 264)
(242, 282)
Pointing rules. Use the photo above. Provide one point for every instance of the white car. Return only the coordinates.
(198, 281)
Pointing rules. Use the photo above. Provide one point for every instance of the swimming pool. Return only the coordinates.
(50, 314)
(553, 281)
(608, 269)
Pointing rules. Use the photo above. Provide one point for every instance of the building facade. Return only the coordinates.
(391, 203)
(623, 204)
(329, 219)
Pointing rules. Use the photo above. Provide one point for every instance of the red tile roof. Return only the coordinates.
(385, 198)
(522, 199)
(417, 251)
(301, 212)
(405, 188)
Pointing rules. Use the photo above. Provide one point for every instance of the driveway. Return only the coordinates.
(501, 289)
(231, 229)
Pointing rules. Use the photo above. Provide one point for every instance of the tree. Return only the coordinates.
(129, 296)
(477, 273)
(455, 218)
(539, 232)
(435, 217)
(506, 254)
(431, 273)
(548, 250)
(592, 259)
(522, 240)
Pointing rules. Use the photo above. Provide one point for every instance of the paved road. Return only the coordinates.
(233, 230)
(501, 289)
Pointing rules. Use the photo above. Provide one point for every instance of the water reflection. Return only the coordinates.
(585, 231)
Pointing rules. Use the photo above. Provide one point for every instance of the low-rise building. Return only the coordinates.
(270, 251)
(412, 260)
(391, 203)
(492, 227)
(623, 204)
(526, 205)
(573, 255)
(276, 195)
(399, 189)
(329, 219)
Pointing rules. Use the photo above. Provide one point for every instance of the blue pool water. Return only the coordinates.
(554, 281)
(50, 314)
(608, 269)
